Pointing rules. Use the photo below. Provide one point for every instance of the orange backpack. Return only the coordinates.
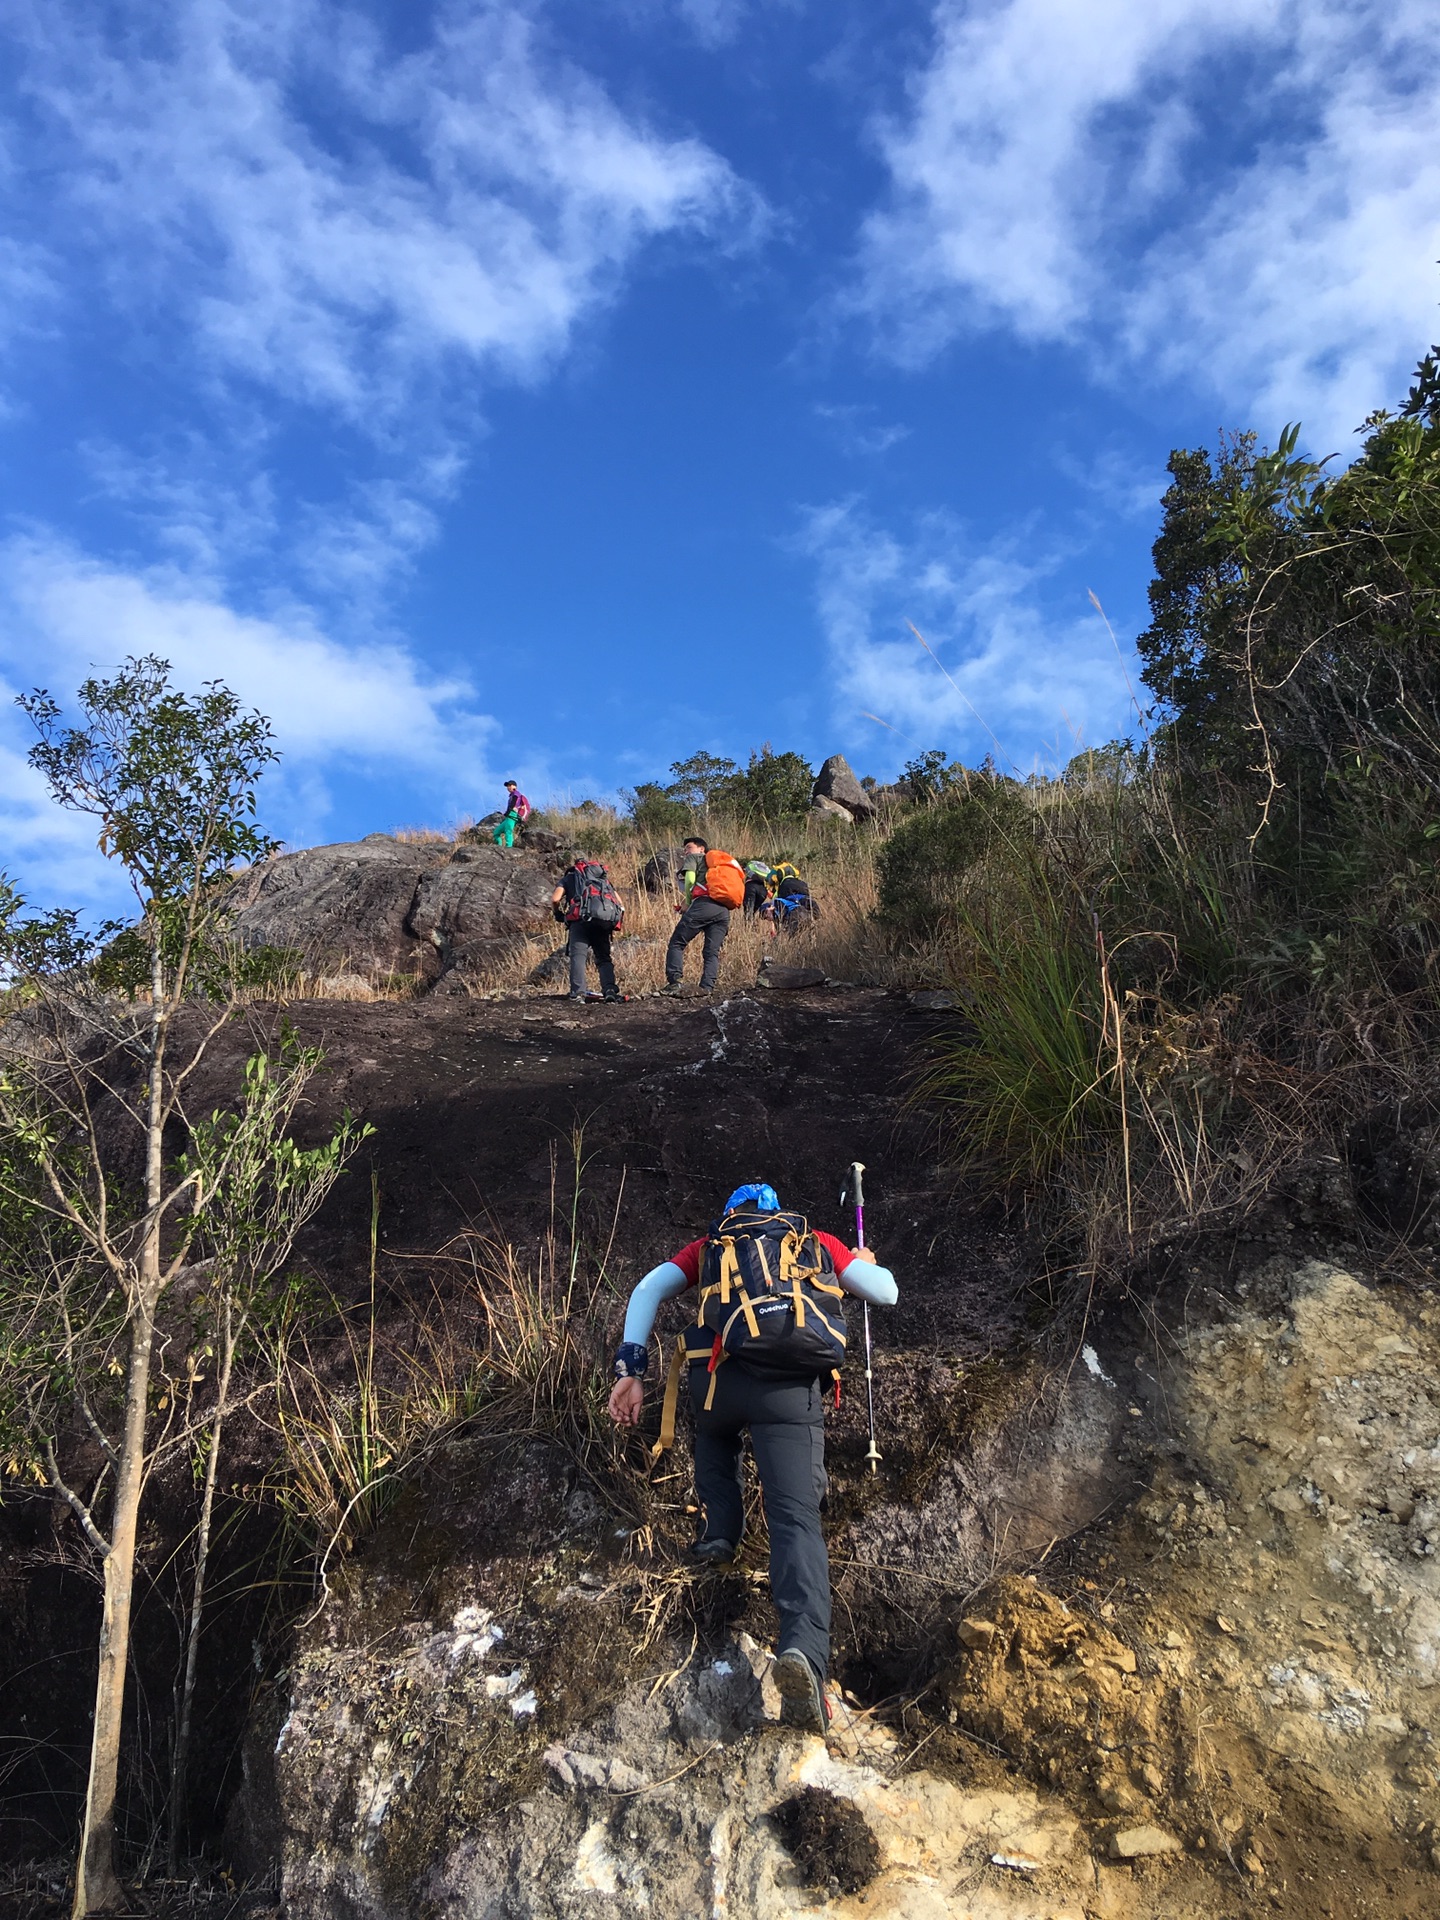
(724, 879)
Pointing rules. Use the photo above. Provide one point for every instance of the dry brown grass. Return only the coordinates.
(839, 864)
(838, 861)
(433, 836)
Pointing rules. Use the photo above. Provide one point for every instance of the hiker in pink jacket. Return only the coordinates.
(517, 811)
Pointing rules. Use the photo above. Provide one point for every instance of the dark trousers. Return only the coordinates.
(585, 940)
(705, 917)
(786, 1421)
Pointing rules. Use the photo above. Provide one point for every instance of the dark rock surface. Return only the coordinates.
(346, 904)
(1394, 1161)
(836, 782)
(479, 901)
(659, 871)
(388, 906)
(789, 979)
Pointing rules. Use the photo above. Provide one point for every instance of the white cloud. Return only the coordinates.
(342, 224)
(290, 218)
(1239, 193)
(334, 706)
(1024, 683)
(50, 855)
(856, 431)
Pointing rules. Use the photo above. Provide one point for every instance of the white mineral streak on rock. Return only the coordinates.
(721, 1849)
(596, 1868)
(1094, 1368)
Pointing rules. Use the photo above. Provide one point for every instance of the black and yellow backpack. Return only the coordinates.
(769, 1297)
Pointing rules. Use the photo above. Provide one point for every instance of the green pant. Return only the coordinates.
(504, 834)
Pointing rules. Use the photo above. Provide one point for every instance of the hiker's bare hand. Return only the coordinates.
(863, 1253)
(626, 1399)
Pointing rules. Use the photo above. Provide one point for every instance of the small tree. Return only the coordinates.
(171, 780)
(774, 787)
(260, 1188)
(701, 782)
(930, 776)
(656, 813)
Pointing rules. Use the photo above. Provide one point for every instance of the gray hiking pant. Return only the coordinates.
(585, 940)
(786, 1421)
(702, 916)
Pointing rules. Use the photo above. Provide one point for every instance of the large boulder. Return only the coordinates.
(341, 906)
(658, 875)
(480, 901)
(383, 905)
(836, 783)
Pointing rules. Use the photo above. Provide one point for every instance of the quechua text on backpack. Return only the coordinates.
(724, 879)
(596, 903)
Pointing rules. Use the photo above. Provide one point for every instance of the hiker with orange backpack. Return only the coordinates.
(587, 904)
(714, 885)
(769, 1333)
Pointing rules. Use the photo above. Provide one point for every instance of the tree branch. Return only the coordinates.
(97, 1430)
(76, 1505)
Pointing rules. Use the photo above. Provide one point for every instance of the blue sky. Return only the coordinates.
(558, 387)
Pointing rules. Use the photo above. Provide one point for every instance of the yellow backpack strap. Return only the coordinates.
(792, 1270)
(759, 1246)
(671, 1402)
(746, 1306)
(714, 1369)
(729, 1272)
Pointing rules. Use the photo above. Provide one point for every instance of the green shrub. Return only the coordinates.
(924, 859)
(656, 814)
(773, 788)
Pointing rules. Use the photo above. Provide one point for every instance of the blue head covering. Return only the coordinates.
(761, 1196)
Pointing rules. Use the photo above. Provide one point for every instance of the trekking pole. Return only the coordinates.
(857, 1194)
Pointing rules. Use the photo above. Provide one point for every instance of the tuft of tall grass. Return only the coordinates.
(1022, 1081)
(531, 1360)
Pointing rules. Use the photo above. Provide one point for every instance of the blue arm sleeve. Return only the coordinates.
(661, 1283)
(869, 1282)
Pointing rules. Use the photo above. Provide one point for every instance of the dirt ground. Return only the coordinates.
(680, 1100)
(1150, 1633)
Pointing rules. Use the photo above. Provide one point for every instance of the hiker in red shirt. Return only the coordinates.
(770, 1332)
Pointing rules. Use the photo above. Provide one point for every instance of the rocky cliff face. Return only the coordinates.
(487, 1723)
(383, 906)
(1221, 1695)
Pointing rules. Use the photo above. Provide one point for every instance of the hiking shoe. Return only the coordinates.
(613, 999)
(581, 997)
(713, 1553)
(674, 988)
(802, 1699)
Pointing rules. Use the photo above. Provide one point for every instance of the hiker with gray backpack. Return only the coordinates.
(587, 905)
(766, 1342)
